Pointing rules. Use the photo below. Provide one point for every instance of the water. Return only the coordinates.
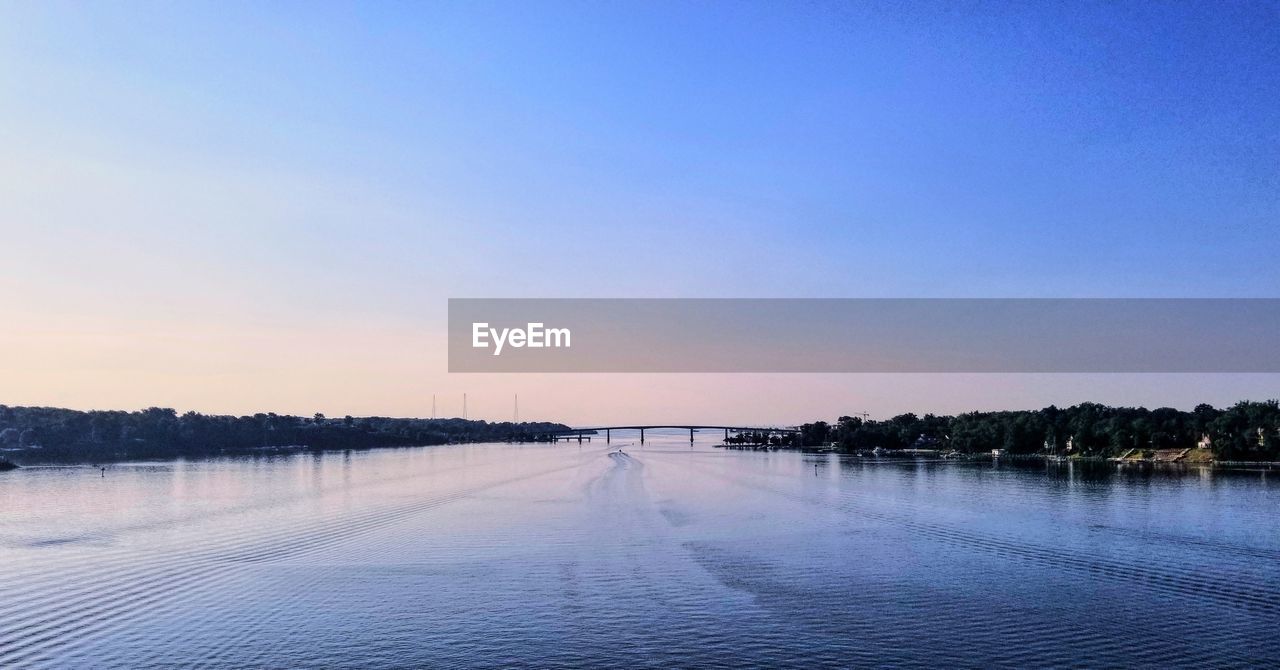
(568, 556)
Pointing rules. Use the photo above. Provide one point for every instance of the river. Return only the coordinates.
(660, 555)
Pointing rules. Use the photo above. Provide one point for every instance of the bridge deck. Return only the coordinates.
(743, 429)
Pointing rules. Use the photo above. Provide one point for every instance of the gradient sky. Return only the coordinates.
(264, 207)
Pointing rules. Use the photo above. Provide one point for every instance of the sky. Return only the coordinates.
(241, 207)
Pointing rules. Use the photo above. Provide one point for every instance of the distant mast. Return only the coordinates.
(464, 407)
(433, 407)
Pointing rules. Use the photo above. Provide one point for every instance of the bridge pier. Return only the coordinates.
(741, 434)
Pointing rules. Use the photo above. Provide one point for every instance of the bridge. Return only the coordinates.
(580, 433)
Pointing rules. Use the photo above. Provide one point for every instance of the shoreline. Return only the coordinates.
(933, 455)
(888, 455)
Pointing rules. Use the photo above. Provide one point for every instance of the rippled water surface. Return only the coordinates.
(665, 555)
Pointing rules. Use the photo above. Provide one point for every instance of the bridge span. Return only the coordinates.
(580, 433)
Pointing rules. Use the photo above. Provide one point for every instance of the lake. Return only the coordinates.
(495, 555)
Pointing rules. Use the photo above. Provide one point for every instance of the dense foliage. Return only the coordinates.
(1247, 431)
(29, 434)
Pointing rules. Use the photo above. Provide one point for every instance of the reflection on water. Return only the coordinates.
(565, 556)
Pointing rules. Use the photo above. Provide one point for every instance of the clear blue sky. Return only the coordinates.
(248, 169)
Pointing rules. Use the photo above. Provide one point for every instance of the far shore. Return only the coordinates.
(941, 455)
(869, 456)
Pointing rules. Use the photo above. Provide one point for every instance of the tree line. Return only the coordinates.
(48, 434)
(1246, 431)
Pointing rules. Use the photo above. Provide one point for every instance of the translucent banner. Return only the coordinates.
(864, 335)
